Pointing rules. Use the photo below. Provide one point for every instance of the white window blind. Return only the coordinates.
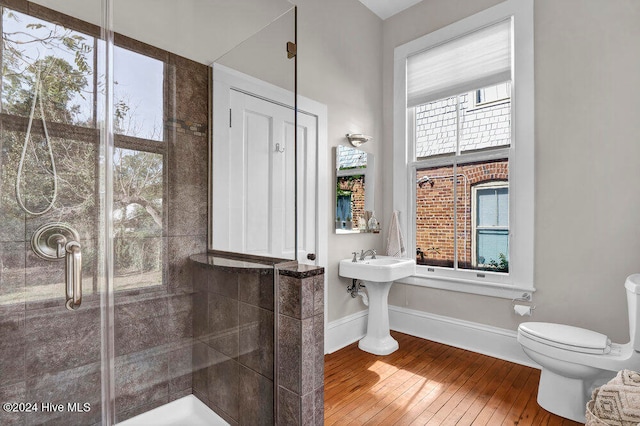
(473, 61)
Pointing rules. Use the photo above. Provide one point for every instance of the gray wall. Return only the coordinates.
(587, 229)
(340, 65)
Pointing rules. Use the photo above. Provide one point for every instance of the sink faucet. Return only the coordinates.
(364, 254)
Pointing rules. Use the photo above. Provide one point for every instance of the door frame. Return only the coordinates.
(224, 80)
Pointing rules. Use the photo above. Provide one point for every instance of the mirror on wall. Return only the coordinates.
(354, 191)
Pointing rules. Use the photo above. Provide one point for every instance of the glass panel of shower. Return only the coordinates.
(254, 145)
(104, 139)
(52, 212)
(190, 331)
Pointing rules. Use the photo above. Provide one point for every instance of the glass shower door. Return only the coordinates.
(51, 214)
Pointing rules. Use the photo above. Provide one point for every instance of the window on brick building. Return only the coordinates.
(456, 222)
(490, 223)
(455, 90)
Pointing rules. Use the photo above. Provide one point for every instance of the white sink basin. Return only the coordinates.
(378, 275)
(381, 269)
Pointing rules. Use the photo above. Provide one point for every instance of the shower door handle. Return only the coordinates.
(73, 274)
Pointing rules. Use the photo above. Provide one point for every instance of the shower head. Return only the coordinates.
(424, 180)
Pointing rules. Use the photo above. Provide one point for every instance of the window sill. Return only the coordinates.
(484, 288)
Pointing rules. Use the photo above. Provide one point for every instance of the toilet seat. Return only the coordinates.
(566, 337)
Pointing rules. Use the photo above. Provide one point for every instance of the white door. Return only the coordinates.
(260, 187)
(307, 188)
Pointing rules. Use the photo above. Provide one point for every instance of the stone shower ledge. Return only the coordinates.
(231, 264)
(301, 271)
(237, 263)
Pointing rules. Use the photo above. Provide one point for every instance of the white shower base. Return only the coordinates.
(188, 410)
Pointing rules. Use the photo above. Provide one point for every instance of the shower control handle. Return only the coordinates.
(73, 274)
(60, 242)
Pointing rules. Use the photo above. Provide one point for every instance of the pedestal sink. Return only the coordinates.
(378, 275)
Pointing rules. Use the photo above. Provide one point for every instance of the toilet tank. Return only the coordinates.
(632, 285)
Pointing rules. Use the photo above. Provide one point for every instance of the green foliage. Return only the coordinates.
(64, 61)
(348, 182)
(32, 47)
(138, 194)
(502, 265)
(121, 111)
(60, 83)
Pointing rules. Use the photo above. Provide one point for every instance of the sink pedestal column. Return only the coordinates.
(378, 341)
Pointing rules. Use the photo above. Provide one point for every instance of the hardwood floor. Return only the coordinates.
(427, 383)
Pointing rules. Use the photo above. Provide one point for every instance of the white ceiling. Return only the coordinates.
(386, 8)
(202, 30)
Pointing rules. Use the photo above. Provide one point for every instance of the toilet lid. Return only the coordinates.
(567, 337)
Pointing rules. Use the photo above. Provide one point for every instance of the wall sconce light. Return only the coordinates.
(357, 139)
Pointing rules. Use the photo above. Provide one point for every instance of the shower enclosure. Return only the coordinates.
(105, 125)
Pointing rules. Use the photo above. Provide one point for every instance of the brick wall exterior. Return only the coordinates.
(435, 210)
(437, 124)
(355, 184)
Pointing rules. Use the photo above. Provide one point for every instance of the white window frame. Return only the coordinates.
(494, 184)
(520, 154)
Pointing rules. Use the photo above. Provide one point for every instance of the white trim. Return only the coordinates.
(521, 158)
(492, 341)
(480, 338)
(345, 331)
(483, 288)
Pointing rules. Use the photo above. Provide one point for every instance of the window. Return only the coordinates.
(450, 212)
(464, 147)
(490, 206)
(138, 102)
(63, 63)
(138, 169)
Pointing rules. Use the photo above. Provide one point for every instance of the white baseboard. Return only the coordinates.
(492, 341)
(345, 331)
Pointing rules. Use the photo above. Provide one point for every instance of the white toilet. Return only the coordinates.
(574, 361)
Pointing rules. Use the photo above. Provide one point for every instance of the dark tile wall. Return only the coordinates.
(233, 354)
(301, 343)
(154, 342)
(233, 358)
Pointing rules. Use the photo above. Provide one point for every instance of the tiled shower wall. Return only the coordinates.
(48, 354)
(233, 350)
(154, 327)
